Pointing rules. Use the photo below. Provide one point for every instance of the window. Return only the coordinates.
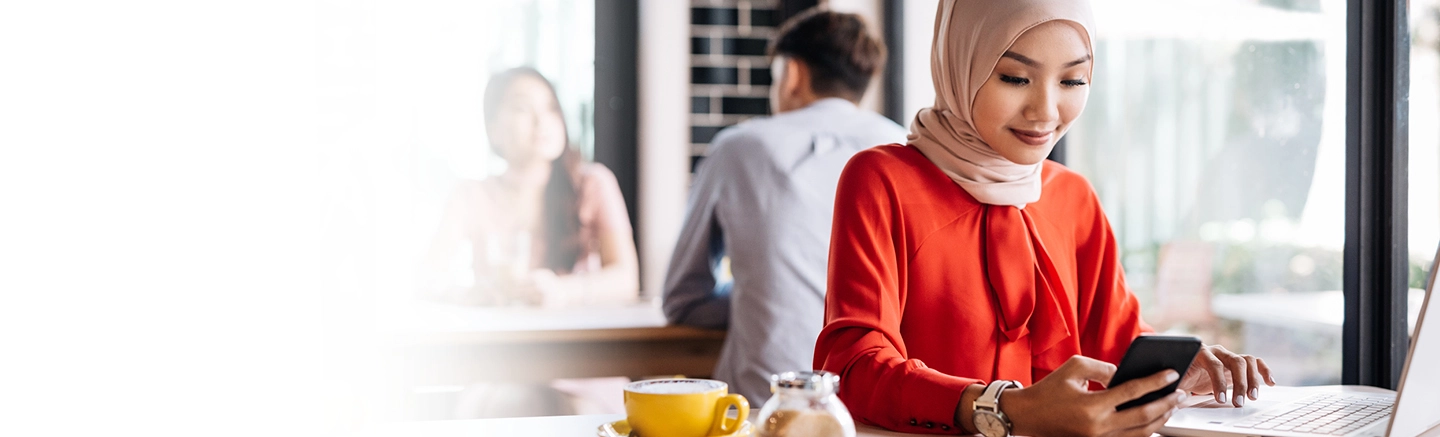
(431, 67)
(1424, 144)
(459, 53)
(1215, 137)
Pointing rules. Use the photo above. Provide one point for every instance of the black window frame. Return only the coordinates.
(1376, 337)
(617, 128)
(894, 74)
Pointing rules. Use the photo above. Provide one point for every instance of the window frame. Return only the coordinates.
(617, 129)
(1375, 335)
(894, 74)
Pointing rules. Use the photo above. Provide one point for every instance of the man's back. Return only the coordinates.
(764, 197)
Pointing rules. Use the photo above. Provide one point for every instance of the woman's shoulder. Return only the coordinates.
(886, 158)
(597, 186)
(600, 200)
(1068, 192)
(594, 175)
(1056, 177)
(903, 173)
(897, 164)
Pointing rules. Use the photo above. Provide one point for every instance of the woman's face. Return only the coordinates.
(527, 127)
(1036, 90)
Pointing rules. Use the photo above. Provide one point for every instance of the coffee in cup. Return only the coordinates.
(683, 408)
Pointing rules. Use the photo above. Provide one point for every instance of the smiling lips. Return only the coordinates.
(1032, 137)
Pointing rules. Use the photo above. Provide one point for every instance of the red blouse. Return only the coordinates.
(923, 301)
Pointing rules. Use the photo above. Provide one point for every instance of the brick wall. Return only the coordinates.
(729, 74)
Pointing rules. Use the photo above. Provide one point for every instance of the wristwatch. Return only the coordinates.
(988, 418)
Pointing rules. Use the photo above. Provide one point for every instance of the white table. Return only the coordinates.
(568, 426)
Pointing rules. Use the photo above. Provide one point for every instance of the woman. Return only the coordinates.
(550, 230)
(963, 260)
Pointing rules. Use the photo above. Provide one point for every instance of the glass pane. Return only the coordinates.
(444, 54)
(1424, 145)
(1215, 138)
(431, 63)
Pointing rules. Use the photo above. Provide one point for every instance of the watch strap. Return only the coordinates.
(989, 404)
(990, 398)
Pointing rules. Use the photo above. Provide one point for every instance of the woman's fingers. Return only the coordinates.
(1136, 388)
(1155, 425)
(1216, 370)
(1252, 379)
(1237, 366)
(1148, 417)
(1082, 369)
(1265, 371)
(1147, 429)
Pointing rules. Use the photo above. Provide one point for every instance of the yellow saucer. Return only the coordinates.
(621, 428)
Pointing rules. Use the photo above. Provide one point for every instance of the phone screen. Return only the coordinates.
(1151, 354)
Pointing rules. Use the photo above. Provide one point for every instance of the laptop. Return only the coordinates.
(1342, 411)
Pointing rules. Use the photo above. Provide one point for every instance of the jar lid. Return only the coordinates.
(816, 381)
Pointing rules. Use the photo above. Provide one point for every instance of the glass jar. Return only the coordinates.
(805, 405)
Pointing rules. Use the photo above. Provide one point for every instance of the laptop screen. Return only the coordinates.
(1420, 383)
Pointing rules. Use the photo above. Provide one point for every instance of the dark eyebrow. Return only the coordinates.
(1033, 64)
(1021, 58)
(1077, 61)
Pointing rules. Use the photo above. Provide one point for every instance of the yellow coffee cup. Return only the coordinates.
(683, 408)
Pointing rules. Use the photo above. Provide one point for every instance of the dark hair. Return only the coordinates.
(562, 200)
(841, 53)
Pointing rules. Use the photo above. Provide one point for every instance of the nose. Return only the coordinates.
(1043, 105)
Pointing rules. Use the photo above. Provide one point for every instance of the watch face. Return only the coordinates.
(989, 424)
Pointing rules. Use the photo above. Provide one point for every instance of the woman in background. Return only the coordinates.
(551, 230)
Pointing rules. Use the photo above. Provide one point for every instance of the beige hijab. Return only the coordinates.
(970, 37)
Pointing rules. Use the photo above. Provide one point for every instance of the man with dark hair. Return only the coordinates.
(764, 196)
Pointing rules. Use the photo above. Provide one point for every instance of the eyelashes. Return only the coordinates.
(1013, 80)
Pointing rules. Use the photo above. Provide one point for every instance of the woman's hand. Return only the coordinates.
(1216, 368)
(1061, 404)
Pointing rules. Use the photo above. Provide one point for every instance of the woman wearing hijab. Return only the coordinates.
(964, 266)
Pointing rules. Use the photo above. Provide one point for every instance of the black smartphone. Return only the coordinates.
(1150, 354)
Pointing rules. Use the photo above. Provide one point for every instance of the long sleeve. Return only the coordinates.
(864, 305)
(1111, 313)
(692, 295)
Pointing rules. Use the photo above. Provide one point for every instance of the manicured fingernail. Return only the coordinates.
(1254, 393)
(1171, 376)
(1221, 397)
(1183, 395)
(1239, 401)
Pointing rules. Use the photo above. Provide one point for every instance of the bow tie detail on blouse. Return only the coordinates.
(1034, 323)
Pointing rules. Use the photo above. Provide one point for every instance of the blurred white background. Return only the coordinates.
(162, 195)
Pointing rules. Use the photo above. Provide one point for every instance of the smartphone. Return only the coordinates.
(1150, 354)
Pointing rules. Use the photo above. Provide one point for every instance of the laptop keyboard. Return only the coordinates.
(1324, 414)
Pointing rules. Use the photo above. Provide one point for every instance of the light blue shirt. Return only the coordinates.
(764, 196)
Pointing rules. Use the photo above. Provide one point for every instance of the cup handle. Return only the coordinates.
(724, 426)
